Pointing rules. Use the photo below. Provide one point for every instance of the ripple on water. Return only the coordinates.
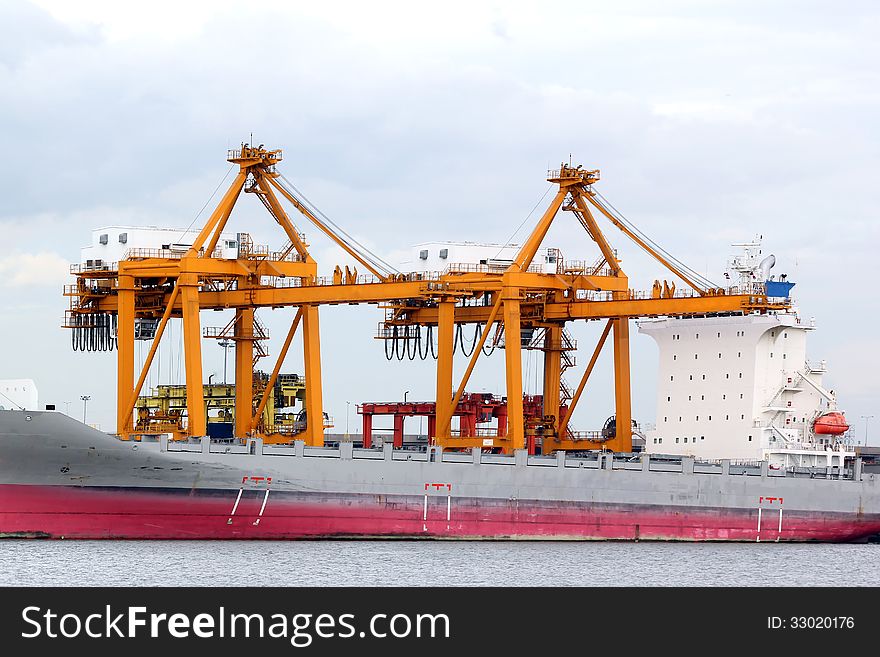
(434, 563)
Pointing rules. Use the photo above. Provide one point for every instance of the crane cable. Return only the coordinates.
(13, 402)
(339, 233)
(399, 345)
(403, 343)
(411, 344)
(430, 339)
(390, 354)
(459, 339)
(608, 207)
(523, 222)
(424, 356)
(494, 343)
(199, 214)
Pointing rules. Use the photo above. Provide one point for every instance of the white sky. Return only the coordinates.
(409, 122)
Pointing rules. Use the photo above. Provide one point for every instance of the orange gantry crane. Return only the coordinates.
(503, 303)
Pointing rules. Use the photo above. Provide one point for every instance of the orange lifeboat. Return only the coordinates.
(833, 423)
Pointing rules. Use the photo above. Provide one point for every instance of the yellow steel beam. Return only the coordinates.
(563, 425)
(126, 412)
(552, 372)
(444, 421)
(192, 345)
(571, 310)
(483, 281)
(638, 240)
(207, 267)
(616, 283)
(658, 307)
(202, 267)
(622, 442)
(524, 258)
(243, 336)
(513, 367)
(221, 212)
(324, 229)
(312, 294)
(286, 269)
(125, 351)
(267, 392)
(314, 406)
(267, 296)
(445, 349)
(550, 311)
(593, 229)
(536, 281)
(281, 217)
(220, 225)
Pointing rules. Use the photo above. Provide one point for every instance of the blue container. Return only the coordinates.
(220, 429)
(778, 288)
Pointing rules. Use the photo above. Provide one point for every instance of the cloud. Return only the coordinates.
(705, 111)
(414, 122)
(33, 269)
(35, 30)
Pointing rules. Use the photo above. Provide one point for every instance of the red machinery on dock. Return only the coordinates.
(475, 408)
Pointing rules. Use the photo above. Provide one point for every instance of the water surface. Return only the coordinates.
(434, 563)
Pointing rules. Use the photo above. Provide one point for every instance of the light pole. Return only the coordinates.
(405, 393)
(85, 400)
(225, 344)
(866, 418)
(347, 409)
(67, 408)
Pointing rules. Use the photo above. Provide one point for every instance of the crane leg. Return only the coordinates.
(244, 370)
(192, 345)
(445, 346)
(513, 357)
(314, 393)
(623, 403)
(124, 354)
(552, 372)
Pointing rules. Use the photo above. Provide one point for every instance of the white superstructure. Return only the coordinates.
(110, 244)
(473, 256)
(18, 394)
(740, 386)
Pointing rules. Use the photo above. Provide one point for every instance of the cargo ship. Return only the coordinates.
(748, 444)
(62, 479)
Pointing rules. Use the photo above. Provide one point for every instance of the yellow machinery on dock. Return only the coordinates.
(164, 411)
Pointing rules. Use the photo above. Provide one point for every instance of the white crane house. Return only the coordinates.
(110, 244)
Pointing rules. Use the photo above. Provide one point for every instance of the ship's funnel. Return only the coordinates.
(766, 265)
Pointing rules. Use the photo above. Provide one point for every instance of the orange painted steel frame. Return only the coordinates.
(516, 298)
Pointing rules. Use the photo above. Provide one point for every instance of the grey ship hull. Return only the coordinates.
(61, 479)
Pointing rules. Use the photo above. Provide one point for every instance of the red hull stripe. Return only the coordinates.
(136, 513)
